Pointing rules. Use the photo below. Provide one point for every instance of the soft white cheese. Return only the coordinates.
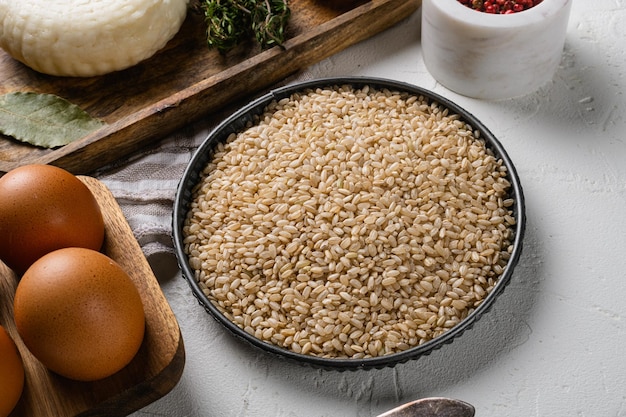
(83, 38)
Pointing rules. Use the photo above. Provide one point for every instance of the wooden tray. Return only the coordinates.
(153, 372)
(186, 80)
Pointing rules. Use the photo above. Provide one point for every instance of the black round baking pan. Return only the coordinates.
(242, 118)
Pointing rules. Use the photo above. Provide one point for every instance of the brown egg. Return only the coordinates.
(79, 313)
(11, 374)
(44, 208)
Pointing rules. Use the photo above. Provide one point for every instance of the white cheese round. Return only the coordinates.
(83, 38)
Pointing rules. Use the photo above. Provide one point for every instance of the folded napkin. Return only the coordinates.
(145, 186)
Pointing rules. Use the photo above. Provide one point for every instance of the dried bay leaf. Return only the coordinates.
(44, 120)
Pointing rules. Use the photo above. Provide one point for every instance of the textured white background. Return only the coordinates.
(554, 343)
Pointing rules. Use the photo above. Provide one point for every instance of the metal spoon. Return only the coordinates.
(432, 407)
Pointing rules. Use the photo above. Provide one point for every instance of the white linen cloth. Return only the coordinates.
(145, 186)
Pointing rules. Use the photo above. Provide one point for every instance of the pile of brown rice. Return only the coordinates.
(350, 223)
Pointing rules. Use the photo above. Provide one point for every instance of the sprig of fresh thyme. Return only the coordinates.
(229, 22)
(269, 20)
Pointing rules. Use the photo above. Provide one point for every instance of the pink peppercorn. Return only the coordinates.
(500, 6)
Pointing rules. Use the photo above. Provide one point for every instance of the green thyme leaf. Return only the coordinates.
(269, 20)
(229, 22)
(44, 120)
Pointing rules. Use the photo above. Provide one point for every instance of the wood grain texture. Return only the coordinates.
(154, 371)
(186, 81)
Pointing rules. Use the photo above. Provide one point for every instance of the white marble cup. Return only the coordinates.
(493, 56)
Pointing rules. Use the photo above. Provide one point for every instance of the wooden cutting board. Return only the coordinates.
(186, 81)
(154, 371)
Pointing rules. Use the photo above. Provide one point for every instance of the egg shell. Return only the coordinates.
(43, 208)
(79, 313)
(11, 374)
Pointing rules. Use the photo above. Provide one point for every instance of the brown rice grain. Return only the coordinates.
(350, 223)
